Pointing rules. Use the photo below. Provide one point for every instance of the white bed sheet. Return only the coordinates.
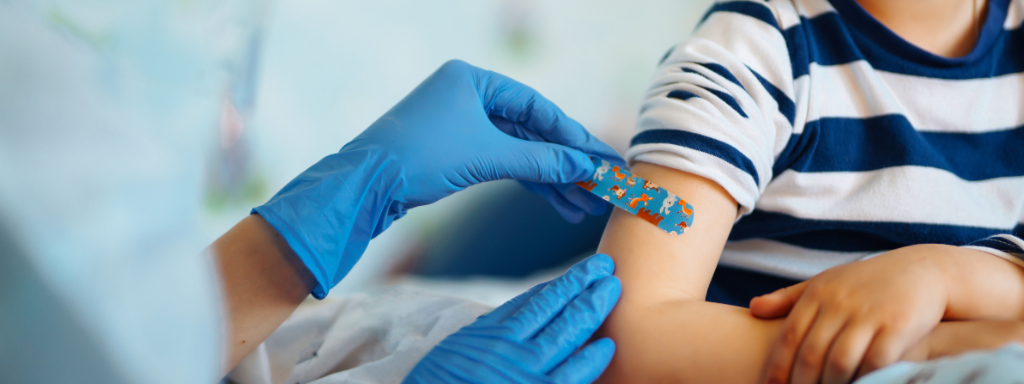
(358, 339)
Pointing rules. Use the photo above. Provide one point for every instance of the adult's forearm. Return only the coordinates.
(262, 282)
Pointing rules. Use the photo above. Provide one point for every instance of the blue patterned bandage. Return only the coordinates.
(640, 197)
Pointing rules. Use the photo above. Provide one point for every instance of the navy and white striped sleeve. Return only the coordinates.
(1004, 246)
(721, 104)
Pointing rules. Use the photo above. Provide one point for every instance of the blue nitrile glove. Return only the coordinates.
(533, 338)
(461, 126)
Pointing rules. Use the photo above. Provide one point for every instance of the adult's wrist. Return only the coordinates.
(329, 213)
(262, 283)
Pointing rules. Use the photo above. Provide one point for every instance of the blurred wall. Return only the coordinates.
(329, 68)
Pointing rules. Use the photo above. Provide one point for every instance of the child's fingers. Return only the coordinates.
(847, 352)
(885, 349)
(780, 362)
(778, 303)
(810, 358)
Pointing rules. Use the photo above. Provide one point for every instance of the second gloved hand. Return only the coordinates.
(533, 338)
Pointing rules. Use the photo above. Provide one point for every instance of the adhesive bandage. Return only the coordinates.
(639, 197)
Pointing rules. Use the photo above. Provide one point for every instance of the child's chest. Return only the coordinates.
(880, 146)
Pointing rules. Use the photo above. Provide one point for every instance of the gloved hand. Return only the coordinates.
(461, 126)
(464, 126)
(533, 338)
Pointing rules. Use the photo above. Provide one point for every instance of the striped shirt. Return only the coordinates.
(840, 140)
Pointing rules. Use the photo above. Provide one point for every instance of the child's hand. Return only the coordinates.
(855, 318)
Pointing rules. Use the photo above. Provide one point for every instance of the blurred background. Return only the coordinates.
(322, 70)
(134, 133)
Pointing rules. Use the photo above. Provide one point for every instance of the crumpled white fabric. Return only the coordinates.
(358, 339)
(379, 338)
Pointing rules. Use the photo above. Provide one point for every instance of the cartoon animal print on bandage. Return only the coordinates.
(603, 169)
(686, 211)
(650, 185)
(619, 192)
(668, 203)
(639, 197)
(633, 201)
(618, 175)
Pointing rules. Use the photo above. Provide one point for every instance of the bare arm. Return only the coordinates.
(956, 337)
(980, 286)
(658, 267)
(666, 332)
(663, 329)
(262, 282)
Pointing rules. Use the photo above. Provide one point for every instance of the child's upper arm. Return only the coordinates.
(662, 328)
(718, 113)
(658, 267)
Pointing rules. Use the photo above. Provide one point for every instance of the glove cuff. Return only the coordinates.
(329, 213)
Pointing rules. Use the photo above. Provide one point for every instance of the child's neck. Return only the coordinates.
(943, 27)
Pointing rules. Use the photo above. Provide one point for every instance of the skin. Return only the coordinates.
(841, 324)
(944, 27)
(662, 327)
(859, 317)
(662, 304)
(839, 327)
(956, 337)
(263, 281)
(665, 331)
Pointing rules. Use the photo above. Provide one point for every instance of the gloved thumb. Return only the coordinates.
(543, 162)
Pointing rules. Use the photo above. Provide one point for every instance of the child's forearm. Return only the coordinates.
(979, 285)
(693, 341)
(687, 341)
(955, 337)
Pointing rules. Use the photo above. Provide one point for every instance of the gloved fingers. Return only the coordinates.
(553, 164)
(517, 130)
(514, 129)
(539, 310)
(569, 211)
(537, 162)
(577, 322)
(585, 366)
(505, 310)
(534, 116)
(586, 201)
(567, 202)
